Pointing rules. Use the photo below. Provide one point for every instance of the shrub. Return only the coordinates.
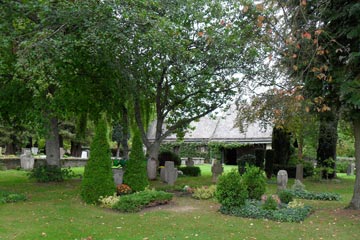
(50, 173)
(308, 169)
(269, 204)
(123, 189)
(341, 166)
(169, 156)
(204, 192)
(259, 158)
(269, 160)
(285, 196)
(8, 197)
(135, 175)
(324, 196)
(191, 171)
(109, 201)
(98, 178)
(298, 185)
(137, 201)
(255, 181)
(230, 190)
(243, 160)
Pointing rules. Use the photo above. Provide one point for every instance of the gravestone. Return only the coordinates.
(151, 168)
(171, 173)
(118, 174)
(300, 172)
(162, 174)
(189, 162)
(84, 154)
(34, 150)
(282, 179)
(217, 169)
(27, 160)
(0, 151)
(350, 169)
(23, 150)
(62, 152)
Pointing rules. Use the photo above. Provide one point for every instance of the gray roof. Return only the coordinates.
(220, 129)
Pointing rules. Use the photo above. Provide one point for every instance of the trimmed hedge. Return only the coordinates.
(191, 171)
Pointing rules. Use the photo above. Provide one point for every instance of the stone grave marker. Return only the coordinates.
(282, 179)
(171, 173)
(84, 154)
(34, 150)
(118, 174)
(217, 169)
(27, 160)
(350, 169)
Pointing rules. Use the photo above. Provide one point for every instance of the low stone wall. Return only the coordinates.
(197, 161)
(14, 162)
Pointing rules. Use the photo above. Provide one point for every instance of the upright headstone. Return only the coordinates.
(84, 154)
(27, 160)
(0, 151)
(189, 162)
(62, 152)
(300, 172)
(34, 150)
(162, 174)
(23, 150)
(351, 169)
(217, 169)
(282, 179)
(171, 173)
(118, 174)
(151, 169)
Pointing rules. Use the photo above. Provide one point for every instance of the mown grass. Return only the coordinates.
(55, 211)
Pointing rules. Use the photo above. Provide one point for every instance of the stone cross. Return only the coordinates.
(189, 162)
(299, 172)
(216, 169)
(171, 173)
(118, 174)
(282, 179)
(26, 160)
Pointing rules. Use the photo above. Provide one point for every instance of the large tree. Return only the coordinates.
(184, 57)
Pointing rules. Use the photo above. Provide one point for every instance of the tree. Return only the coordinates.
(184, 57)
(98, 178)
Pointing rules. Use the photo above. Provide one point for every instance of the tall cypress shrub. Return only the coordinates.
(260, 156)
(98, 178)
(269, 160)
(281, 146)
(135, 174)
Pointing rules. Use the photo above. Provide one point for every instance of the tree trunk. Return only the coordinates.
(10, 149)
(75, 149)
(327, 142)
(125, 133)
(52, 144)
(355, 201)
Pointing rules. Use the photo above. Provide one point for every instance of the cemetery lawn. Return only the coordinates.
(55, 211)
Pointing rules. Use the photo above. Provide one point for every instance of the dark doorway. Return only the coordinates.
(230, 156)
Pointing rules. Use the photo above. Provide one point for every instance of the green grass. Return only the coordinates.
(55, 211)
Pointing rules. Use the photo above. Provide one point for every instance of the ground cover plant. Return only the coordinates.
(9, 197)
(56, 209)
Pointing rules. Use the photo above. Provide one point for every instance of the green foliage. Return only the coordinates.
(255, 181)
(269, 161)
(98, 177)
(185, 149)
(137, 201)
(191, 171)
(269, 204)
(260, 157)
(342, 166)
(285, 196)
(252, 209)
(243, 160)
(204, 192)
(169, 156)
(323, 196)
(49, 173)
(8, 197)
(231, 191)
(281, 146)
(108, 201)
(135, 175)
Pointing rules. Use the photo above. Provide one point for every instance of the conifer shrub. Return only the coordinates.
(135, 174)
(98, 178)
(255, 181)
(269, 162)
(230, 190)
(259, 158)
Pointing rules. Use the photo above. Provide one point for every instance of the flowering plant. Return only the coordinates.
(188, 189)
(123, 189)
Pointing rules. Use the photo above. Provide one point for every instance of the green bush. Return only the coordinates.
(204, 192)
(269, 204)
(259, 158)
(191, 171)
(286, 196)
(98, 177)
(308, 169)
(169, 156)
(137, 201)
(341, 166)
(243, 160)
(255, 181)
(50, 173)
(323, 196)
(135, 175)
(252, 209)
(230, 190)
(269, 161)
(8, 197)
